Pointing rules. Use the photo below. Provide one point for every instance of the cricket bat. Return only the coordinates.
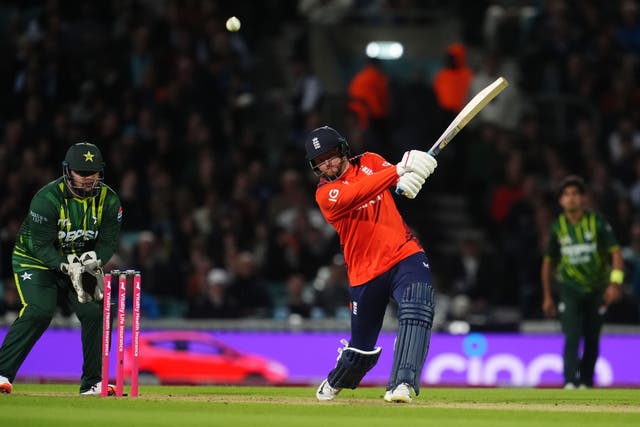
(469, 111)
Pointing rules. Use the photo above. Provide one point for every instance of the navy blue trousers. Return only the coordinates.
(369, 301)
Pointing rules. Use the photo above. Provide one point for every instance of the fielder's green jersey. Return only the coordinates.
(582, 251)
(59, 224)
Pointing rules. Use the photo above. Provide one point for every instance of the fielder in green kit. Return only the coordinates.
(71, 230)
(589, 270)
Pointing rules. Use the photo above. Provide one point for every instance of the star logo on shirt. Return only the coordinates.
(88, 156)
(26, 276)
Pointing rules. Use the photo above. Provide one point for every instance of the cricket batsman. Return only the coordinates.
(69, 233)
(384, 259)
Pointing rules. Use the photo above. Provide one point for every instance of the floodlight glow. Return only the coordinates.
(373, 50)
(384, 50)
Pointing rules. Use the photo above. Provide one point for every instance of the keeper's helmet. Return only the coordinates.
(85, 159)
(321, 141)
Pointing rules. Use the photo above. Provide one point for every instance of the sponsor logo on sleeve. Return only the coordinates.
(37, 218)
(371, 202)
(119, 217)
(333, 194)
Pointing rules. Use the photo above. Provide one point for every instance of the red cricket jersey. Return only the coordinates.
(359, 205)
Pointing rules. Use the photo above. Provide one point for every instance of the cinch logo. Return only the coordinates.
(501, 368)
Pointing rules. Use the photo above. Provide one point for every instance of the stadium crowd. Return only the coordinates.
(219, 213)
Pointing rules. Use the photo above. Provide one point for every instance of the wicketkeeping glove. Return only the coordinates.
(74, 269)
(417, 161)
(410, 183)
(92, 276)
(90, 261)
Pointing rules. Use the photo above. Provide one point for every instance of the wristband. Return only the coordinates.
(617, 277)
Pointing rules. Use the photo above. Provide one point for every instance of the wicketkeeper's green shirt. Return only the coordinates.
(582, 251)
(59, 224)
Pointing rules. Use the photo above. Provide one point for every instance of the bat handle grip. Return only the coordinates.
(434, 152)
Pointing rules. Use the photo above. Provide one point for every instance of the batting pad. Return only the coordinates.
(353, 364)
(415, 317)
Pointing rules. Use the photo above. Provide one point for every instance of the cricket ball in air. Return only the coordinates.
(233, 24)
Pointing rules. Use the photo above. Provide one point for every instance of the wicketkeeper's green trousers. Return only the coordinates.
(40, 292)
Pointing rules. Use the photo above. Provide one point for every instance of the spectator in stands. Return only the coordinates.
(504, 110)
(213, 300)
(307, 96)
(248, 289)
(299, 301)
(631, 255)
(325, 12)
(331, 286)
(509, 191)
(473, 277)
(628, 33)
(369, 99)
(452, 82)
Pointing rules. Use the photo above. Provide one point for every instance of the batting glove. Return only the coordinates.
(416, 161)
(409, 185)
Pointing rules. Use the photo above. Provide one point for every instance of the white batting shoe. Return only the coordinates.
(96, 390)
(326, 392)
(400, 394)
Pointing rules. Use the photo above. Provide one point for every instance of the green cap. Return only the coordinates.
(84, 157)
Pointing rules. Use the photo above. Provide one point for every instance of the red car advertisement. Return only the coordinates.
(190, 357)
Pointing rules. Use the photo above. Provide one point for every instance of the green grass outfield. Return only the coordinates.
(60, 405)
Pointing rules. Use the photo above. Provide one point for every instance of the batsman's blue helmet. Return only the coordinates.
(323, 140)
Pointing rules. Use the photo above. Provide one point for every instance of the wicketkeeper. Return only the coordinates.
(384, 259)
(69, 233)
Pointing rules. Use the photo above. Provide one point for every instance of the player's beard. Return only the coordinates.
(82, 191)
(337, 170)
